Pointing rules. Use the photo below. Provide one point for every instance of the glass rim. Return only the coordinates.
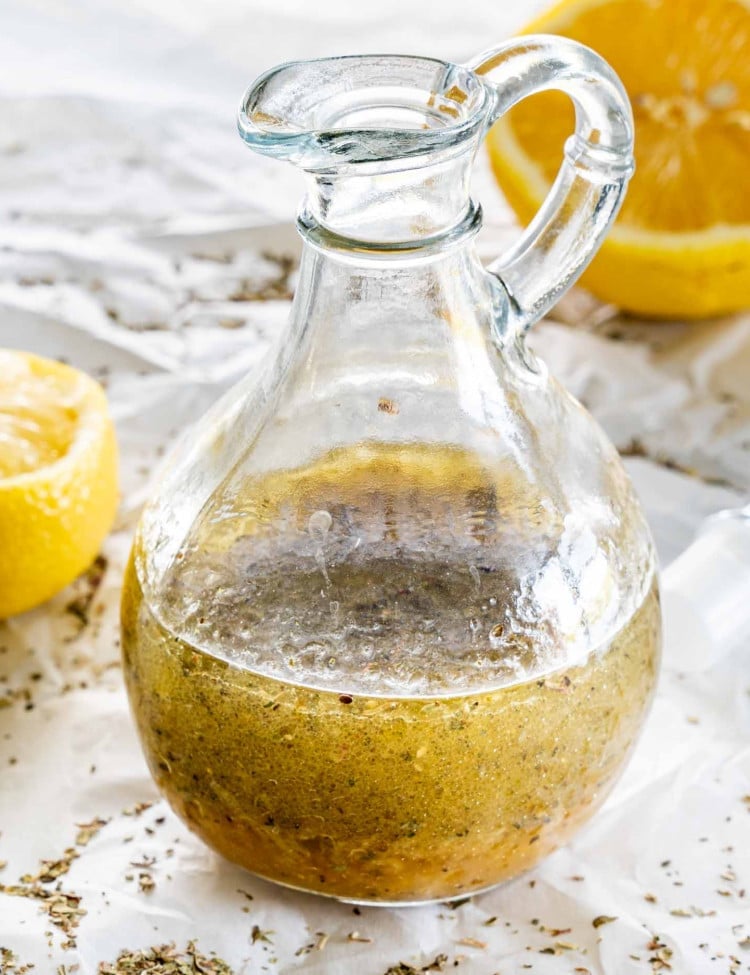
(462, 100)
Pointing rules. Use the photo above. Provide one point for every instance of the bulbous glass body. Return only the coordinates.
(391, 623)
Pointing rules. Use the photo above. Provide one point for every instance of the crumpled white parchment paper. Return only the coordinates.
(144, 244)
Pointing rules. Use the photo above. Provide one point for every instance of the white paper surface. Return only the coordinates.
(133, 245)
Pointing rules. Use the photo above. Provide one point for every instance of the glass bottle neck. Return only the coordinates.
(406, 207)
(403, 325)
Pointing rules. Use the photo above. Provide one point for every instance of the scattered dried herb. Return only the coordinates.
(278, 288)
(166, 960)
(146, 882)
(559, 948)
(660, 959)
(137, 809)
(691, 912)
(454, 905)
(143, 864)
(63, 909)
(9, 963)
(87, 831)
(52, 869)
(80, 607)
(257, 934)
(437, 965)
(356, 936)
(472, 943)
(603, 919)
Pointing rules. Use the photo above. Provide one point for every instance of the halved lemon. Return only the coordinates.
(58, 477)
(681, 245)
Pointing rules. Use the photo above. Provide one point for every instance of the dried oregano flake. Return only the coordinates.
(166, 960)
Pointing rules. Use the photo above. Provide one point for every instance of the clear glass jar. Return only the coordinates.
(391, 622)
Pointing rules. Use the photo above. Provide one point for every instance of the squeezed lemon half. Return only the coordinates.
(58, 477)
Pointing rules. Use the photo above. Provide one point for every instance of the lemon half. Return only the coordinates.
(58, 477)
(681, 245)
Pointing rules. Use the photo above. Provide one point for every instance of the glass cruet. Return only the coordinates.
(391, 622)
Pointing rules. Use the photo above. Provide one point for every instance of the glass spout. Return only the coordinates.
(387, 142)
(388, 111)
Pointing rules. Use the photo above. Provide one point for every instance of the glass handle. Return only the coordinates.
(584, 200)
